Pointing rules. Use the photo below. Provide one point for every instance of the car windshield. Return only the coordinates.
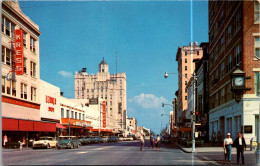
(65, 138)
(44, 138)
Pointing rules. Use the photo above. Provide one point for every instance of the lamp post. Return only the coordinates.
(194, 102)
(169, 118)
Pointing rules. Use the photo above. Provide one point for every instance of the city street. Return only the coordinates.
(122, 153)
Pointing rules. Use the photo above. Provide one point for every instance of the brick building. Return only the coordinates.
(233, 40)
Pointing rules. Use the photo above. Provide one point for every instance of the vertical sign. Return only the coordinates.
(18, 45)
(104, 114)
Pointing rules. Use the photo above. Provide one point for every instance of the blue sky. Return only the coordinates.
(145, 34)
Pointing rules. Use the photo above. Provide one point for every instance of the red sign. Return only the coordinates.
(51, 100)
(20, 102)
(51, 109)
(18, 45)
(104, 114)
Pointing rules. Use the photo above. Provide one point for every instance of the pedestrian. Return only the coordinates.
(151, 141)
(142, 141)
(228, 146)
(240, 144)
(21, 144)
(157, 142)
(5, 139)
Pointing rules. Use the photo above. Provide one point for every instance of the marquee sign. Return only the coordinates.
(18, 45)
(104, 114)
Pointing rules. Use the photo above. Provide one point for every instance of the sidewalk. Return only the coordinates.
(209, 149)
(217, 154)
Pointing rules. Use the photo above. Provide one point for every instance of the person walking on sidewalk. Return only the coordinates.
(151, 140)
(228, 146)
(240, 144)
(142, 141)
(157, 142)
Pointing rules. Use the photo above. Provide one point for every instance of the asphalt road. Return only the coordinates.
(121, 153)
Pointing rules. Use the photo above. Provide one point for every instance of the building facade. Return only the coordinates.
(131, 126)
(110, 87)
(185, 56)
(20, 93)
(233, 40)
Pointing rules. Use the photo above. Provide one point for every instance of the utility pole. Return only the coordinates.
(193, 112)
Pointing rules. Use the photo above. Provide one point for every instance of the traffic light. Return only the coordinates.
(196, 113)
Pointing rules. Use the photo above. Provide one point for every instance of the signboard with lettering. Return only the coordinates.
(93, 101)
(248, 129)
(51, 100)
(104, 114)
(18, 45)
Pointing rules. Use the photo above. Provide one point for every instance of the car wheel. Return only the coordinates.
(71, 146)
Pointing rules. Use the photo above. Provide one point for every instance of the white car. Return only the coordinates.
(45, 142)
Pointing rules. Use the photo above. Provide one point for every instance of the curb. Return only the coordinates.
(182, 148)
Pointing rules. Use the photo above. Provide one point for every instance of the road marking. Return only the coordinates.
(81, 152)
(210, 160)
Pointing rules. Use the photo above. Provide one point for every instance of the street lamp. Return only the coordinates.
(194, 102)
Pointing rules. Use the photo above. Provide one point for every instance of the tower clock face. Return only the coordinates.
(239, 81)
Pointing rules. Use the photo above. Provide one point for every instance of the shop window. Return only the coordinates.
(33, 94)
(24, 65)
(3, 84)
(23, 91)
(257, 11)
(257, 83)
(33, 69)
(32, 44)
(62, 112)
(24, 39)
(257, 47)
(72, 114)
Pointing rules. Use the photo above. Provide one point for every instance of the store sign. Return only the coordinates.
(51, 100)
(18, 42)
(104, 114)
(248, 129)
(93, 101)
(51, 109)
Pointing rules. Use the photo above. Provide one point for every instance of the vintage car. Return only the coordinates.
(44, 142)
(68, 142)
(86, 139)
(97, 139)
(105, 139)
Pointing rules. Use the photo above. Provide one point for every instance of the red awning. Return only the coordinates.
(9, 124)
(44, 126)
(25, 125)
(58, 125)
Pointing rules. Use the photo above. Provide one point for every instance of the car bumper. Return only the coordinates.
(40, 146)
(63, 146)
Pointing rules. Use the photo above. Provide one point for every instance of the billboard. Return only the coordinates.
(18, 45)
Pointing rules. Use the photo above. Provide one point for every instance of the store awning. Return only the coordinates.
(44, 126)
(9, 124)
(188, 129)
(58, 125)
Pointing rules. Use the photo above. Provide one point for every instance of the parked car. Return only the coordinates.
(68, 142)
(121, 138)
(44, 142)
(90, 139)
(96, 139)
(128, 138)
(113, 139)
(84, 140)
(105, 139)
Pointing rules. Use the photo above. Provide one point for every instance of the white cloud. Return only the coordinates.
(65, 73)
(148, 100)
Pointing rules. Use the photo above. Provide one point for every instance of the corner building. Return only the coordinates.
(20, 94)
(233, 40)
(111, 88)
